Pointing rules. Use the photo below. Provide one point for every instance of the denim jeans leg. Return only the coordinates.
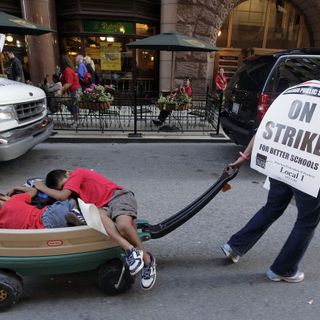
(279, 197)
(286, 264)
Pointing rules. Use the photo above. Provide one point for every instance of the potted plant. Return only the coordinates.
(95, 97)
(183, 101)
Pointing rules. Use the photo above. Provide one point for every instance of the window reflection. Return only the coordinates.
(248, 24)
(284, 25)
(272, 24)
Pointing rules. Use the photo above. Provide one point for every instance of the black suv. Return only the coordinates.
(258, 82)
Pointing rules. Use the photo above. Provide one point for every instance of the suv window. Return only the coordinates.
(252, 75)
(291, 71)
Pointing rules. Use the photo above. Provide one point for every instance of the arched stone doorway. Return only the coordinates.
(204, 18)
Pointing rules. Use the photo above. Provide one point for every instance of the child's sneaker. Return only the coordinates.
(134, 259)
(149, 274)
(75, 218)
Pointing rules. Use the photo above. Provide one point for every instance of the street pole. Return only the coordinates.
(135, 133)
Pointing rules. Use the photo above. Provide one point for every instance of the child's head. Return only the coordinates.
(55, 78)
(56, 179)
(3, 199)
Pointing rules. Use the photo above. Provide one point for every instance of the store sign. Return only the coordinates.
(109, 27)
(287, 143)
(110, 56)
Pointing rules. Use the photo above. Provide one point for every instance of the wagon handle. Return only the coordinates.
(166, 226)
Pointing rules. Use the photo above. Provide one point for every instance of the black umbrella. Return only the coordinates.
(16, 25)
(172, 41)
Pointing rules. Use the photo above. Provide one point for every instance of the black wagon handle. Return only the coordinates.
(166, 226)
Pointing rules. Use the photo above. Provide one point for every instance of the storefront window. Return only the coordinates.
(16, 44)
(275, 24)
(248, 24)
(283, 26)
(72, 46)
(145, 30)
(114, 61)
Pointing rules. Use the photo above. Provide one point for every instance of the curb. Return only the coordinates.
(87, 137)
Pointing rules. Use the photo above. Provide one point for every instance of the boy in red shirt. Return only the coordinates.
(118, 208)
(16, 212)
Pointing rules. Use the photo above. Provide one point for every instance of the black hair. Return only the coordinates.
(55, 78)
(66, 62)
(53, 178)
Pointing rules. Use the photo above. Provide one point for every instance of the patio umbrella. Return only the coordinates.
(172, 41)
(16, 25)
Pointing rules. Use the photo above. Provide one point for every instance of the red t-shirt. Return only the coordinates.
(70, 76)
(221, 81)
(188, 91)
(91, 186)
(17, 213)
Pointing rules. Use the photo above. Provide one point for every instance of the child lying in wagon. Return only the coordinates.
(17, 212)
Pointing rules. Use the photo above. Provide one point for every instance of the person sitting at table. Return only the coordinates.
(182, 88)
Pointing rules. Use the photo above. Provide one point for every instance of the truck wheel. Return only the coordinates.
(108, 277)
(10, 289)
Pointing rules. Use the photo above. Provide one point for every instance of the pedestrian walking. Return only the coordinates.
(285, 266)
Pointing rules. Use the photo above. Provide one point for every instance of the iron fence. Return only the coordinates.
(127, 114)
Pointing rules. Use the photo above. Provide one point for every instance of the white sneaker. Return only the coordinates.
(298, 277)
(149, 274)
(227, 250)
(134, 259)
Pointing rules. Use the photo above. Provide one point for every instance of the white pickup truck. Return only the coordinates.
(23, 118)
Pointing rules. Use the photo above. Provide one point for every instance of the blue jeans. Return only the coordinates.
(280, 194)
(74, 109)
(54, 216)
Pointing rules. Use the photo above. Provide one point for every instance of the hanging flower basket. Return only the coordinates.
(182, 107)
(167, 106)
(95, 98)
(90, 105)
(178, 102)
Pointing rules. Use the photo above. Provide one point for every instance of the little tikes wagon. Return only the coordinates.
(75, 249)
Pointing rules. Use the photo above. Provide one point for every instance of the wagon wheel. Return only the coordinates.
(11, 288)
(109, 276)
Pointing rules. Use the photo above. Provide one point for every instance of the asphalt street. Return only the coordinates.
(194, 280)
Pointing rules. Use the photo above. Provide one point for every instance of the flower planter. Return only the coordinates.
(94, 105)
(167, 106)
(183, 107)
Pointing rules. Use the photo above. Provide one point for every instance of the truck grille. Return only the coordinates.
(29, 110)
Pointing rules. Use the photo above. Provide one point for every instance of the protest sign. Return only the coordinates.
(287, 143)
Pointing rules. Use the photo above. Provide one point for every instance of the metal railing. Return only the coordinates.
(136, 114)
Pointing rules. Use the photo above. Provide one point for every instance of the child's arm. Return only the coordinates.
(30, 190)
(59, 195)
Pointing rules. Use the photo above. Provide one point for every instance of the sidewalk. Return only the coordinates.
(122, 137)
